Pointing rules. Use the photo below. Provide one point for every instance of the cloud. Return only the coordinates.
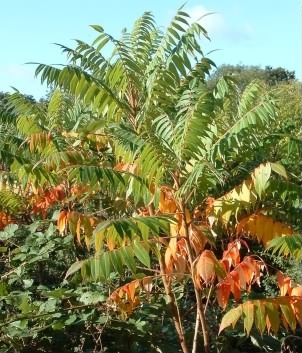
(212, 21)
(217, 25)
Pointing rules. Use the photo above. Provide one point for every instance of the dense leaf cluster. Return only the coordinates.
(143, 198)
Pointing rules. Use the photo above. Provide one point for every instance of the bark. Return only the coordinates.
(200, 310)
(173, 307)
(171, 299)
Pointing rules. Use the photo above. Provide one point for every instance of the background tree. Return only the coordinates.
(245, 74)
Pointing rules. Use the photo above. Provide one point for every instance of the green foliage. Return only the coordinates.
(125, 155)
(244, 74)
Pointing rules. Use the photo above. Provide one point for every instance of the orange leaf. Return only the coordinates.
(283, 283)
(297, 308)
(223, 293)
(167, 203)
(206, 266)
(111, 241)
(169, 261)
(232, 253)
(197, 238)
(180, 264)
(264, 228)
(5, 219)
(130, 289)
(78, 230)
(173, 246)
(296, 291)
(242, 276)
(62, 221)
(235, 284)
(147, 284)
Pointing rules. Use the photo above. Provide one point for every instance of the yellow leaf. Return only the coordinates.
(78, 230)
(245, 192)
(262, 227)
(260, 316)
(99, 239)
(273, 317)
(267, 230)
(248, 316)
(288, 315)
(230, 318)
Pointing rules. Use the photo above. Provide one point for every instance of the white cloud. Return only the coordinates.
(212, 21)
(217, 25)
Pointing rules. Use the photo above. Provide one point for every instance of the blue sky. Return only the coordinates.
(250, 32)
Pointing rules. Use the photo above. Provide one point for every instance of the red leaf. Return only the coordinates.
(223, 293)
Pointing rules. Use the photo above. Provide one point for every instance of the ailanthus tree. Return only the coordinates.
(167, 177)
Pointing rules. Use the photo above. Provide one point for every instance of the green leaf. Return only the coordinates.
(59, 325)
(28, 283)
(230, 318)
(117, 261)
(279, 169)
(97, 28)
(142, 253)
(3, 289)
(92, 298)
(128, 257)
(288, 245)
(72, 318)
(74, 268)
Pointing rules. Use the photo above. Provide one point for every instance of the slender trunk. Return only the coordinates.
(171, 299)
(194, 347)
(173, 307)
(200, 311)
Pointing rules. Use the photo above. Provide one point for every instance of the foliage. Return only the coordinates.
(156, 190)
(245, 74)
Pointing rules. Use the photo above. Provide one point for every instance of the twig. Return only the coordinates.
(194, 348)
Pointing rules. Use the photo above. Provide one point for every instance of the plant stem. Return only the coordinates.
(194, 347)
(173, 307)
(200, 311)
(171, 298)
